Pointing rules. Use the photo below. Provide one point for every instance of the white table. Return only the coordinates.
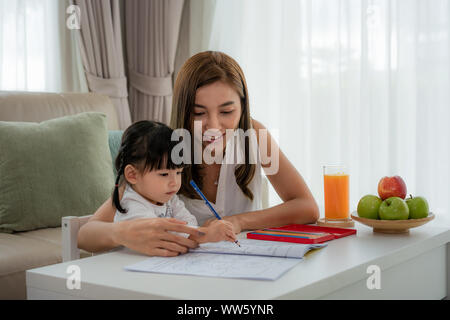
(413, 266)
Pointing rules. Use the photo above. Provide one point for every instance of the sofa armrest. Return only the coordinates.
(69, 244)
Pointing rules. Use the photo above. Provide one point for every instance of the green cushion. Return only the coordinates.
(115, 139)
(56, 168)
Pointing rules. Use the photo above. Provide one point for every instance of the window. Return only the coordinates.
(363, 83)
(37, 51)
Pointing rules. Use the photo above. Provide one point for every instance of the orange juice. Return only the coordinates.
(336, 191)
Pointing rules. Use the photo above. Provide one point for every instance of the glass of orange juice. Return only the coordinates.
(336, 193)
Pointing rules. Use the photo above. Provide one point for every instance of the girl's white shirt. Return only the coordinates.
(230, 199)
(138, 207)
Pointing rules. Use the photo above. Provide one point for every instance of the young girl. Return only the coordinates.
(152, 180)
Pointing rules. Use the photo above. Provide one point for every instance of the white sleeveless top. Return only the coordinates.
(230, 199)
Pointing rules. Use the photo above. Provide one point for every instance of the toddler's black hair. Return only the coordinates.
(146, 145)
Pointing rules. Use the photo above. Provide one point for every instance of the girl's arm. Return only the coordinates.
(298, 204)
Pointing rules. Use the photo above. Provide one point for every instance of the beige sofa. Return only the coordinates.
(32, 249)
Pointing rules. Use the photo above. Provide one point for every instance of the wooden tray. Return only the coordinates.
(392, 226)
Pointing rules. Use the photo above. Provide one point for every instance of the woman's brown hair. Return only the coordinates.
(200, 70)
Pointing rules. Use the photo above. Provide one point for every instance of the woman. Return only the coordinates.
(210, 99)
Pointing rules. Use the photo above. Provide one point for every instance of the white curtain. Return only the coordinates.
(37, 50)
(359, 82)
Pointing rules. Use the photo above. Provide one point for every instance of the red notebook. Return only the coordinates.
(300, 233)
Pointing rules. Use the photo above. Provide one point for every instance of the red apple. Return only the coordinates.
(392, 187)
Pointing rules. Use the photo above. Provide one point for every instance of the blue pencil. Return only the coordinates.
(197, 189)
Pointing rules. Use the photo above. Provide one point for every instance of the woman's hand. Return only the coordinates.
(152, 236)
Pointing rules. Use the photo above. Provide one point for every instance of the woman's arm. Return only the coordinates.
(98, 234)
(298, 204)
(148, 236)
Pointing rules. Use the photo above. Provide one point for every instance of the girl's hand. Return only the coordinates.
(218, 230)
(151, 236)
(237, 228)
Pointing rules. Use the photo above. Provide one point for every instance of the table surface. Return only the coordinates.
(343, 262)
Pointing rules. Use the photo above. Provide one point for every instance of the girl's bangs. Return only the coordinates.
(161, 160)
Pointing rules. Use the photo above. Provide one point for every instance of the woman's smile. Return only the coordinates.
(212, 139)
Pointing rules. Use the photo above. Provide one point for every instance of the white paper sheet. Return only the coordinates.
(254, 260)
(218, 265)
(258, 248)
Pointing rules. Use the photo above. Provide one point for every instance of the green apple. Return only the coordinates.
(394, 208)
(418, 207)
(368, 206)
